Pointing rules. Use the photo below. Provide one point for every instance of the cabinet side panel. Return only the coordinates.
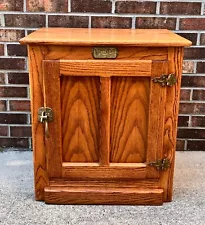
(80, 107)
(129, 119)
(35, 56)
(175, 57)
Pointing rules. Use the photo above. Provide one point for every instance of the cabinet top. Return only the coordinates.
(93, 36)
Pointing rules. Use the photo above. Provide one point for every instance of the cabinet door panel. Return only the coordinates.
(129, 119)
(104, 127)
(80, 107)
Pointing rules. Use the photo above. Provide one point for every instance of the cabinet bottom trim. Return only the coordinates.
(103, 196)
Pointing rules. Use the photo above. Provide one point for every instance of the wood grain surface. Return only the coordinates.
(129, 119)
(124, 53)
(175, 58)
(105, 92)
(148, 183)
(35, 56)
(105, 68)
(80, 107)
(106, 195)
(156, 117)
(51, 72)
(88, 171)
(84, 36)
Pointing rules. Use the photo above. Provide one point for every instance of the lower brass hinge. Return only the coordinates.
(161, 164)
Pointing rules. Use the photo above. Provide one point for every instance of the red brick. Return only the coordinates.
(2, 78)
(17, 105)
(180, 145)
(193, 81)
(194, 53)
(192, 24)
(17, 50)
(14, 142)
(190, 36)
(198, 121)
(156, 23)
(3, 131)
(97, 6)
(68, 21)
(192, 108)
(12, 64)
(183, 121)
(188, 67)
(47, 6)
(11, 5)
(20, 131)
(191, 133)
(1, 49)
(185, 95)
(13, 118)
(201, 67)
(2, 106)
(30, 31)
(180, 8)
(135, 7)
(24, 20)
(11, 35)
(111, 22)
(13, 92)
(18, 78)
(199, 95)
(202, 41)
(195, 145)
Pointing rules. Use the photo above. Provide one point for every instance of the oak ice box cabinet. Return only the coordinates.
(104, 108)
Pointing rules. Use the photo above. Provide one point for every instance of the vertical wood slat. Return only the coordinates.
(105, 90)
(51, 71)
(175, 59)
(156, 117)
(35, 56)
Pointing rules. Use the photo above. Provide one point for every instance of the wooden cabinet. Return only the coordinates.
(107, 131)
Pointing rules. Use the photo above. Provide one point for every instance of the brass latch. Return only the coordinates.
(165, 80)
(161, 164)
(45, 115)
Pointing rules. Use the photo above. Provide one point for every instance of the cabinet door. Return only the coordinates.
(108, 118)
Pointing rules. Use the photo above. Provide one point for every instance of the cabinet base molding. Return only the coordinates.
(103, 195)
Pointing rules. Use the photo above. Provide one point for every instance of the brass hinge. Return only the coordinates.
(45, 115)
(165, 80)
(161, 164)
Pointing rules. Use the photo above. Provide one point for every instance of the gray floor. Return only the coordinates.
(17, 205)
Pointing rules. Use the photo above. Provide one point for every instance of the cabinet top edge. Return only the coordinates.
(98, 36)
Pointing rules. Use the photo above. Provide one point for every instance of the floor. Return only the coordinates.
(17, 205)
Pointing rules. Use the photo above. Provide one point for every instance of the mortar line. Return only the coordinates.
(24, 6)
(198, 39)
(133, 22)
(113, 6)
(185, 145)
(89, 22)
(158, 8)
(202, 8)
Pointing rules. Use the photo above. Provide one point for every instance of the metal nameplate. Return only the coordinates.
(104, 52)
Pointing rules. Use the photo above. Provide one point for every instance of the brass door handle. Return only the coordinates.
(47, 130)
(45, 115)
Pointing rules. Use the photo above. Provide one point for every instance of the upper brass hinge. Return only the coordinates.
(165, 80)
(161, 164)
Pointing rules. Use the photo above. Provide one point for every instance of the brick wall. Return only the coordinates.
(20, 17)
